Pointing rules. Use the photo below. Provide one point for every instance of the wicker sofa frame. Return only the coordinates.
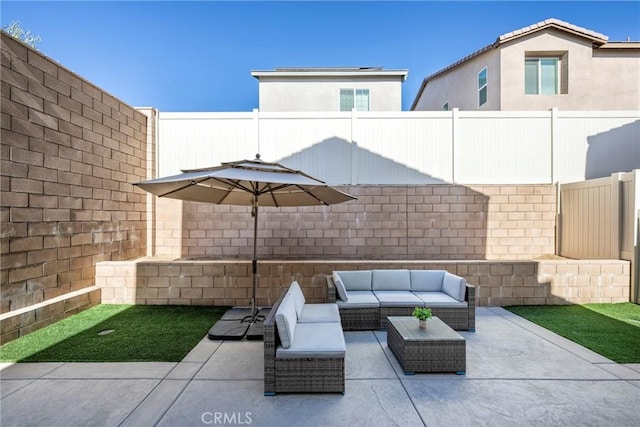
(303, 375)
(361, 319)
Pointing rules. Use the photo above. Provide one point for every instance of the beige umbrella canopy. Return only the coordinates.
(247, 183)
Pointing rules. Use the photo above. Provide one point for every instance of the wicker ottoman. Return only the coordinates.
(435, 349)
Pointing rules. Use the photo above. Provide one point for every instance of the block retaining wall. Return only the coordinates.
(25, 320)
(229, 283)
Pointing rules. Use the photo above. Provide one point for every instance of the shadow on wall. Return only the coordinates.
(617, 150)
(337, 162)
(418, 217)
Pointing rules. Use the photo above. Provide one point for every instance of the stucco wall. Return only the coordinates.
(598, 79)
(459, 86)
(324, 94)
(385, 222)
(69, 152)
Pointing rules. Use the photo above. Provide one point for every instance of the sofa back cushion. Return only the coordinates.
(454, 286)
(286, 320)
(427, 280)
(356, 280)
(340, 288)
(390, 280)
(298, 297)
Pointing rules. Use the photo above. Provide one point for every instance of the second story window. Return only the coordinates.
(354, 98)
(482, 87)
(541, 76)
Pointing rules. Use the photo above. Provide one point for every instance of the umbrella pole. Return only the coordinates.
(254, 263)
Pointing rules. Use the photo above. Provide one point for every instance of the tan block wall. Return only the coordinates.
(229, 283)
(386, 222)
(69, 152)
(20, 322)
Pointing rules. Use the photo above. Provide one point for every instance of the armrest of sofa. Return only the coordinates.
(331, 290)
(271, 342)
(470, 298)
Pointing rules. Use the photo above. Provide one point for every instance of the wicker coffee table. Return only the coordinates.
(435, 349)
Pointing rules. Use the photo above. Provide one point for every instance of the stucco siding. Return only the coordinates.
(459, 86)
(324, 94)
(592, 78)
(581, 75)
(622, 77)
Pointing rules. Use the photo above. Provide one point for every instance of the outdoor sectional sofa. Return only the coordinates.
(304, 347)
(365, 298)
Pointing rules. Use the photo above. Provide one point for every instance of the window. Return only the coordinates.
(541, 76)
(482, 87)
(445, 106)
(354, 98)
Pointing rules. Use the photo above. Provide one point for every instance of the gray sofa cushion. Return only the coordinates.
(356, 280)
(342, 291)
(315, 340)
(286, 320)
(398, 299)
(319, 313)
(390, 280)
(439, 299)
(454, 286)
(426, 280)
(298, 297)
(360, 299)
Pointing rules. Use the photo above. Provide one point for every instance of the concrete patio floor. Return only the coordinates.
(517, 374)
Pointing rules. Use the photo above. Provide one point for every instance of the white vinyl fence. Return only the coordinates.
(598, 219)
(462, 147)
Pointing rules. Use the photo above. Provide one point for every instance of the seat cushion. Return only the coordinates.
(454, 286)
(390, 280)
(398, 299)
(286, 320)
(356, 280)
(319, 313)
(298, 297)
(324, 340)
(439, 299)
(426, 280)
(342, 291)
(360, 299)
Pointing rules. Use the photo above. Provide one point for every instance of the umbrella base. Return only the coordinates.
(236, 324)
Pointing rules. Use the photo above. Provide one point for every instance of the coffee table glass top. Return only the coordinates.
(408, 329)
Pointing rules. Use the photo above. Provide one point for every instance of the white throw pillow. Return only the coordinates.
(342, 291)
(298, 297)
(454, 286)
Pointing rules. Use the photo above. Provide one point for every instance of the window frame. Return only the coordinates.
(559, 82)
(354, 98)
(484, 87)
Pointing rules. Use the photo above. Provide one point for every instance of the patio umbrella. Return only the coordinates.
(247, 183)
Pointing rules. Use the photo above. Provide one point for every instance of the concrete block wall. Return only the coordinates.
(69, 152)
(229, 283)
(385, 222)
(17, 323)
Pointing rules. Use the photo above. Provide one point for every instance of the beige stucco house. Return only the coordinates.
(551, 64)
(330, 89)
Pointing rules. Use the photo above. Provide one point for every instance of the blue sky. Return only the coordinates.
(197, 56)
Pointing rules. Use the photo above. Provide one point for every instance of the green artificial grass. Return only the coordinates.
(140, 334)
(612, 330)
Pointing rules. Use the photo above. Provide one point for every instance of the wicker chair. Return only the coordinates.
(297, 375)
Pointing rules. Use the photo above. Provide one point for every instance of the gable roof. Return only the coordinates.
(597, 39)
